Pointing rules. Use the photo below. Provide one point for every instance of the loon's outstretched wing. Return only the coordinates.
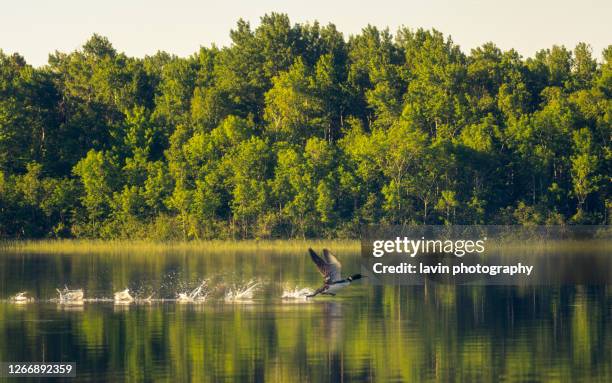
(330, 268)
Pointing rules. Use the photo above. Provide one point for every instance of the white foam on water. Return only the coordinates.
(71, 297)
(21, 298)
(123, 297)
(148, 299)
(97, 300)
(296, 293)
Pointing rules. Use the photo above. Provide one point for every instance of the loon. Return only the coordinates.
(330, 268)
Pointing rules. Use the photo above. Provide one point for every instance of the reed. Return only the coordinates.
(75, 246)
(79, 246)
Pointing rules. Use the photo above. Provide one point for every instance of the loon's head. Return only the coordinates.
(355, 277)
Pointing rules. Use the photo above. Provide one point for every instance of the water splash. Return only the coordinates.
(296, 293)
(123, 297)
(241, 293)
(222, 288)
(199, 294)
(72, 297)
(21, 298)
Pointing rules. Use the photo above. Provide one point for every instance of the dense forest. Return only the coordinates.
(296, 131)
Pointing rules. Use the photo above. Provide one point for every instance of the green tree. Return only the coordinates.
(97, 173)
(584, 164)
(293, 110)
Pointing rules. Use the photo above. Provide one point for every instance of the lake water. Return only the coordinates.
(367, 333)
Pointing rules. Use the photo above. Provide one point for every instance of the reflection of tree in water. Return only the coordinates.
(334, 320)
(333, 324)
(378, 333)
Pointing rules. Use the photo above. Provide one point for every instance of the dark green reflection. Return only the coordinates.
(430, 333)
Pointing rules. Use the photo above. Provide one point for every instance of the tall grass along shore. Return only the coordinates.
(67, 246)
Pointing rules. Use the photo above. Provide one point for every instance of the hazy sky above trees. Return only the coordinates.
(34, 28)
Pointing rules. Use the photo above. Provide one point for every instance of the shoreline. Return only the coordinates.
(80, 246)
(120, 246)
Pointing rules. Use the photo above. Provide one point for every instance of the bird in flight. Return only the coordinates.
(330, 268)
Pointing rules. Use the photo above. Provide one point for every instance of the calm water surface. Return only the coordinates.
(367, 333)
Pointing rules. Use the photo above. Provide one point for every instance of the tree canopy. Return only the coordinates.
(295, 131)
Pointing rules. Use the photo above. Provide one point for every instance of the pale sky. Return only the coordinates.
(34, 28)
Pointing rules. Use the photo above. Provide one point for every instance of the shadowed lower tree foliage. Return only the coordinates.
(294, 131)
